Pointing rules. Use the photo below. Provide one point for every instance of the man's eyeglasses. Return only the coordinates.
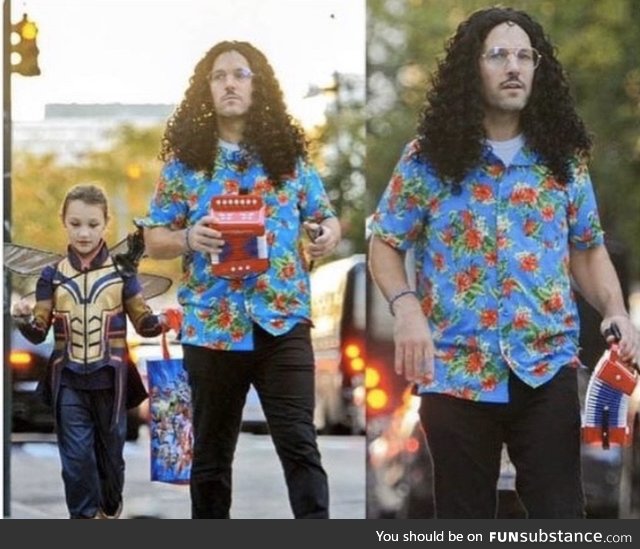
(239, 75)
(498, 57)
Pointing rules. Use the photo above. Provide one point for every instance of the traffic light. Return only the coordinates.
(24, 51)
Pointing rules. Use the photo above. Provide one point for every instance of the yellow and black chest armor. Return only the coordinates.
(89, 321)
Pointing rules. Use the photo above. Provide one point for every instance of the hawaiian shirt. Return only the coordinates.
(492, 266)
(219, 313)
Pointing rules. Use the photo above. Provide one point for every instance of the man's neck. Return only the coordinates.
(501, 126)
(231, 129)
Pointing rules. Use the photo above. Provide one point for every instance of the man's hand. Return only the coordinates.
(323, 239)
(202, 238)
(414, 349)
(628, 343)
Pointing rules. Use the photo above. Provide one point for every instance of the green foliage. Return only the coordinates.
(597, 43)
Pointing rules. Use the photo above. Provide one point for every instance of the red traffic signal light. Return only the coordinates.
(24, 50)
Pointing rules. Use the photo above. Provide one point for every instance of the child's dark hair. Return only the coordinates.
(89, 194)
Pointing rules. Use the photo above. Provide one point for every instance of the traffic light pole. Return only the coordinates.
(6, 195)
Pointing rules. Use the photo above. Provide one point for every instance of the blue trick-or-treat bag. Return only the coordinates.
(170, 427)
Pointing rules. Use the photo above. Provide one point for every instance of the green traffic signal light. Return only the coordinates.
(24, 50)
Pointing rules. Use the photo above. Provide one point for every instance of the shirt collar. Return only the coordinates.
(96, 262)
(524, 157)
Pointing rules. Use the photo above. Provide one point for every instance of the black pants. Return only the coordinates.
(281, 368)
(541, 428)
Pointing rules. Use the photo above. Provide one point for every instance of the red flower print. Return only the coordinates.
(521, 320)
(541, 369)
(236, 284)
(524, 195)
(474, 363)
(467, 219)
(262, 285)
(237, 335)
(280, 302)
(427, 305)
(489, 384)
(438, 262)
(277, 323)
(489, 318)
(447, 236)
(224, 319)
(231, 186)
(530, 227)
(528, 263)
(396, 185)
(508, 286)
(491, 258)
(463, 282)
(554, 303)
(482, 193)
(474, 273)
(495, 170)
(548, 213)
(473, 239)
(288, 270)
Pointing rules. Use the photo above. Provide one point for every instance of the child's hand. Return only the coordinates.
(171, 319)
(22, 311)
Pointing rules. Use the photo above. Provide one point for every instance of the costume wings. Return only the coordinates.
(27, 261)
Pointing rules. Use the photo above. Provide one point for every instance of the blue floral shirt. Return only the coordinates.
(493, 266)
(219, 313)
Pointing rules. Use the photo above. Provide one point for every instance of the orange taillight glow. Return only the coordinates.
(371, 378)
(377, 399)
(352, 351)
(20, 359)
(357, 364)
(412, 445)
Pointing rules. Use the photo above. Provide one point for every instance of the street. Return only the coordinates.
(258, 482)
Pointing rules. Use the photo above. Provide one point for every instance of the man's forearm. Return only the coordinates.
(163, 243)
(387, 268)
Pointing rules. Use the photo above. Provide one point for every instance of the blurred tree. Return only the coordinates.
(127, 172)
(339, 148)
(597, 43)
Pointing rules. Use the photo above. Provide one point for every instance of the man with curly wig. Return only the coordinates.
(231, 135)
(494, 196)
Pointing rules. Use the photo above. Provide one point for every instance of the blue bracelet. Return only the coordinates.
(398, 296)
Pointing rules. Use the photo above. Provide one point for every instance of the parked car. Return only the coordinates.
(398, 460)
(338, 296)
(28, 364)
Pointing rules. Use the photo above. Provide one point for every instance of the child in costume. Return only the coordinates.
(87, 297)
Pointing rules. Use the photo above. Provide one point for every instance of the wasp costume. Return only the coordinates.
(86, 380)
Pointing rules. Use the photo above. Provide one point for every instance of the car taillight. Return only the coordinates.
(20, 359)
(353, 355)
(412, 445)
(377, 399)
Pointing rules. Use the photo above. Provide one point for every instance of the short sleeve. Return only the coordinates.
(401, 211)
(169, 204)
(585, 230)
(314, 201)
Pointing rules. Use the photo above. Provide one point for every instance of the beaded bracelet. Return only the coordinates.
(186, 239)
(398, 296)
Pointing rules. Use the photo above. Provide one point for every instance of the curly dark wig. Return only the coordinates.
(450, 130)
(191, 134)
